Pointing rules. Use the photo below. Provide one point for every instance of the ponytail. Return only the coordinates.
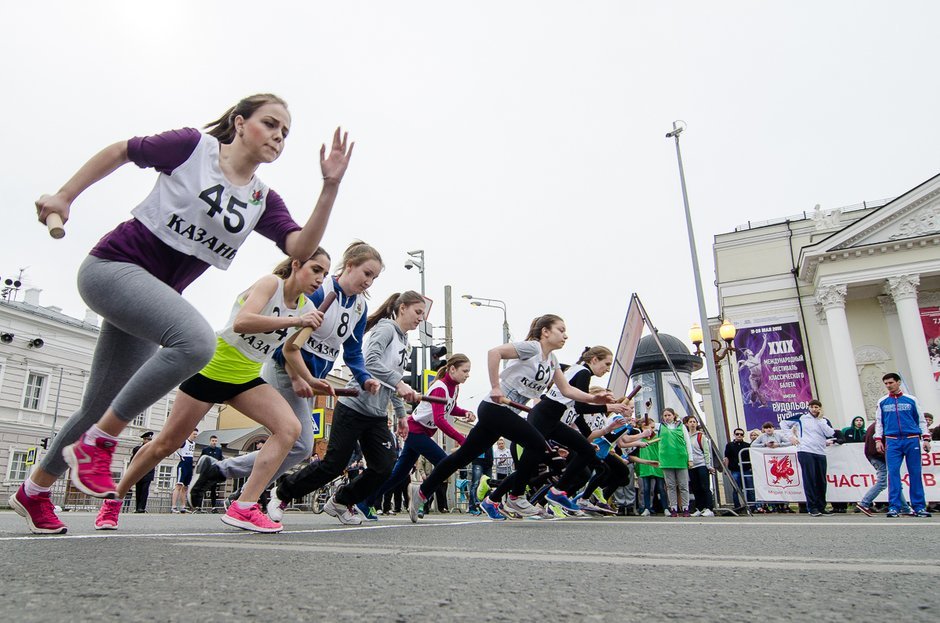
(389, 308)
(455, 361)
(594, 352)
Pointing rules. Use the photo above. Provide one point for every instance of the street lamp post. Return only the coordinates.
(720, 352)
(417, 261)
(478, 301)
(703, 314)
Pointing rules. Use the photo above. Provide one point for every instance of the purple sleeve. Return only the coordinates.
(163, 152)
(276, 222)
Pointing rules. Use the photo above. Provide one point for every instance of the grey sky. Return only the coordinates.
(521, 144)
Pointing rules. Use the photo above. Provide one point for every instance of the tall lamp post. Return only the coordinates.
(703, 314)
(417, 261)
(720, 352)
(478, 301)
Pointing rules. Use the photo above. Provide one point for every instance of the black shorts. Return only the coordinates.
(207, 390)
(184, 473)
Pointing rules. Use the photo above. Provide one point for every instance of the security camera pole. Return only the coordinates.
(418, 262)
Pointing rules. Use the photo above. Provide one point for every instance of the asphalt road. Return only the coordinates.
(455, 567)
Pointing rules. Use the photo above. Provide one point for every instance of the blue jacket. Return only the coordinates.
(352, 346)
(900, 416)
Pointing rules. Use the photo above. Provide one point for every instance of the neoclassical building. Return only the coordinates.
(827, 302)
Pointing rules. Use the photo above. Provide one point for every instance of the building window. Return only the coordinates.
(141, 420)
(17, 469)
(164, 477)
(35, 385)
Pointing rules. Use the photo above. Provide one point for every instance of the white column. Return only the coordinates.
(895, 340)
(903, 289)
(848, 390)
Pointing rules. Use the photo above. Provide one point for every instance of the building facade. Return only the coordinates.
(826, 303)
(45, 359)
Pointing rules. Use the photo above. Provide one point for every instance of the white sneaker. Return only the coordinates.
(276, 507)
(346, 514)
(588, 507)
(696, 514)
(708, 513)
(645, 513)
(544, 513)
(415, 501)
(520, 505)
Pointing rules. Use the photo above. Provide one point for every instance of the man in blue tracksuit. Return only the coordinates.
(899, 428)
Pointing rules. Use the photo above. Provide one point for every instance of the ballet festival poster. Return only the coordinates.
(930, 317)
(772, 371)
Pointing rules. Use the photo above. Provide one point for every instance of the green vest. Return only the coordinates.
(650, 453)
(673, 452)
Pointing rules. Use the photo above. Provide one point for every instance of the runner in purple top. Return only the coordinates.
(206, 201)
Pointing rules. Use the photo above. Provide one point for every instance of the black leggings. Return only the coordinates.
(614, 475)
(349, 426)
(493, 421)
(546, 418)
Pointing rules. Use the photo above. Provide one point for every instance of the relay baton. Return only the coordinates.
(304, 334)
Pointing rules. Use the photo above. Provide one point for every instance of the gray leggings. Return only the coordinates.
(677, 479)
(129, 373)
(275, 376)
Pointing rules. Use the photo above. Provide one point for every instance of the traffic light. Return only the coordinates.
(44, 442)
(438, 357)
(411, 378)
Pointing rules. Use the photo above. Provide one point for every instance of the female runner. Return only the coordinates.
(423, 424)
(363, 419)
(546, 417)
(528, 377)
(259, 322)
(206, 201)
(297, 368)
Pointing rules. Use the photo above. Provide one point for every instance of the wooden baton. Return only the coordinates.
(514, 404)
(55, 226)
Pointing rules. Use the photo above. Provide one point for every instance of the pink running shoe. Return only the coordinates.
(38, 511)
(108, 515)
(91, 467)
(250, 518)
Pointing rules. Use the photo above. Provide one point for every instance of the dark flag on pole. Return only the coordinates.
(626, 349)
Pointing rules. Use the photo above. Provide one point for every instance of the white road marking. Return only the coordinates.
(790, 563)
(112, 534)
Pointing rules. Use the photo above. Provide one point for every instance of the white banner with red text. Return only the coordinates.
(777, 475)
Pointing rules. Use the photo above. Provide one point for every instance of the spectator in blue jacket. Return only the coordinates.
(900, 429)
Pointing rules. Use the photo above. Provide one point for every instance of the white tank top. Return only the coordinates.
(338, 324)
(259, 346)
(528, 377)
(197, 211)
(424, 413)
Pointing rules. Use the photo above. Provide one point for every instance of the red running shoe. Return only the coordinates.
(108, 515)
(91, 467)
(250, 518)
(38, 511)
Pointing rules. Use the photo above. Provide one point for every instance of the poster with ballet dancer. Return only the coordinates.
(774, 382)
(930, 318)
